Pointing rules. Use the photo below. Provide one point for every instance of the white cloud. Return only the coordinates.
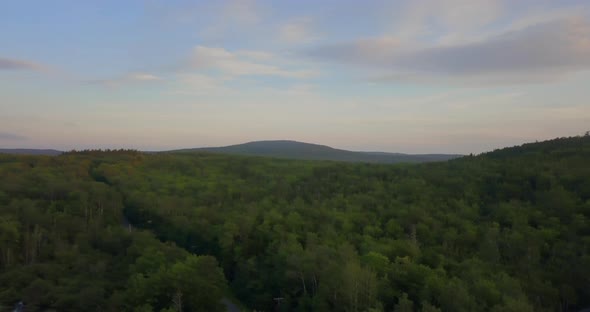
(143, 77)
(236, 64)
(255, 55)
(298, 30)
(127, 79)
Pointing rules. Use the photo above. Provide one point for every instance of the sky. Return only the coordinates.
(419, 76)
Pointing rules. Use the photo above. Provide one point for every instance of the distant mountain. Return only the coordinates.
(26, 151)
(300, 150)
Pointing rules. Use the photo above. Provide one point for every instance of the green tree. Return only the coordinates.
(404, 304)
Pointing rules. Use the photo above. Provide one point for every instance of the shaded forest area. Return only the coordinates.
(503, 231)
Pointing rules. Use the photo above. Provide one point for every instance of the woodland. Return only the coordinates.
(122, 230)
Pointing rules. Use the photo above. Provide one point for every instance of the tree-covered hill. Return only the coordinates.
(503, 231)
(299, 150)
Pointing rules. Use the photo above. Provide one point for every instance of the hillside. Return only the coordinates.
(502, 231)
(307, 151)
(28, 151)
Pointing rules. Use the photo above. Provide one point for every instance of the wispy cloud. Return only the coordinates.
(560, 45)
(535, 53)
(14, 64)
(242, 11)
(298, 30)
(255, 55)
(126, 79)
(233, 15)
(199, 84)
(143, 77)
(235, 64)
(428, 19)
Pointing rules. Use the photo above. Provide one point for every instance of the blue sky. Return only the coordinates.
(415, 76)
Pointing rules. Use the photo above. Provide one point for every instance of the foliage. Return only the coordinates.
(502, 231)
(65, 245)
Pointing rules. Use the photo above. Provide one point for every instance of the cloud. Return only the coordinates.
(232, 16)
(447, 19)
(255, 55)
(298, 30)
(7, 136)
(240, 64)
(13, 64)
(200, 84)
(557, 45)
(534, 53)
(126, 79)
(461, 15)
(143, 77)
(363, 51)
(242, 11)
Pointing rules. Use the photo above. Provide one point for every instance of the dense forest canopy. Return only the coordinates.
(123, 230)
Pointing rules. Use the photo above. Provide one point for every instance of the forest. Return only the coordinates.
(123, 230)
